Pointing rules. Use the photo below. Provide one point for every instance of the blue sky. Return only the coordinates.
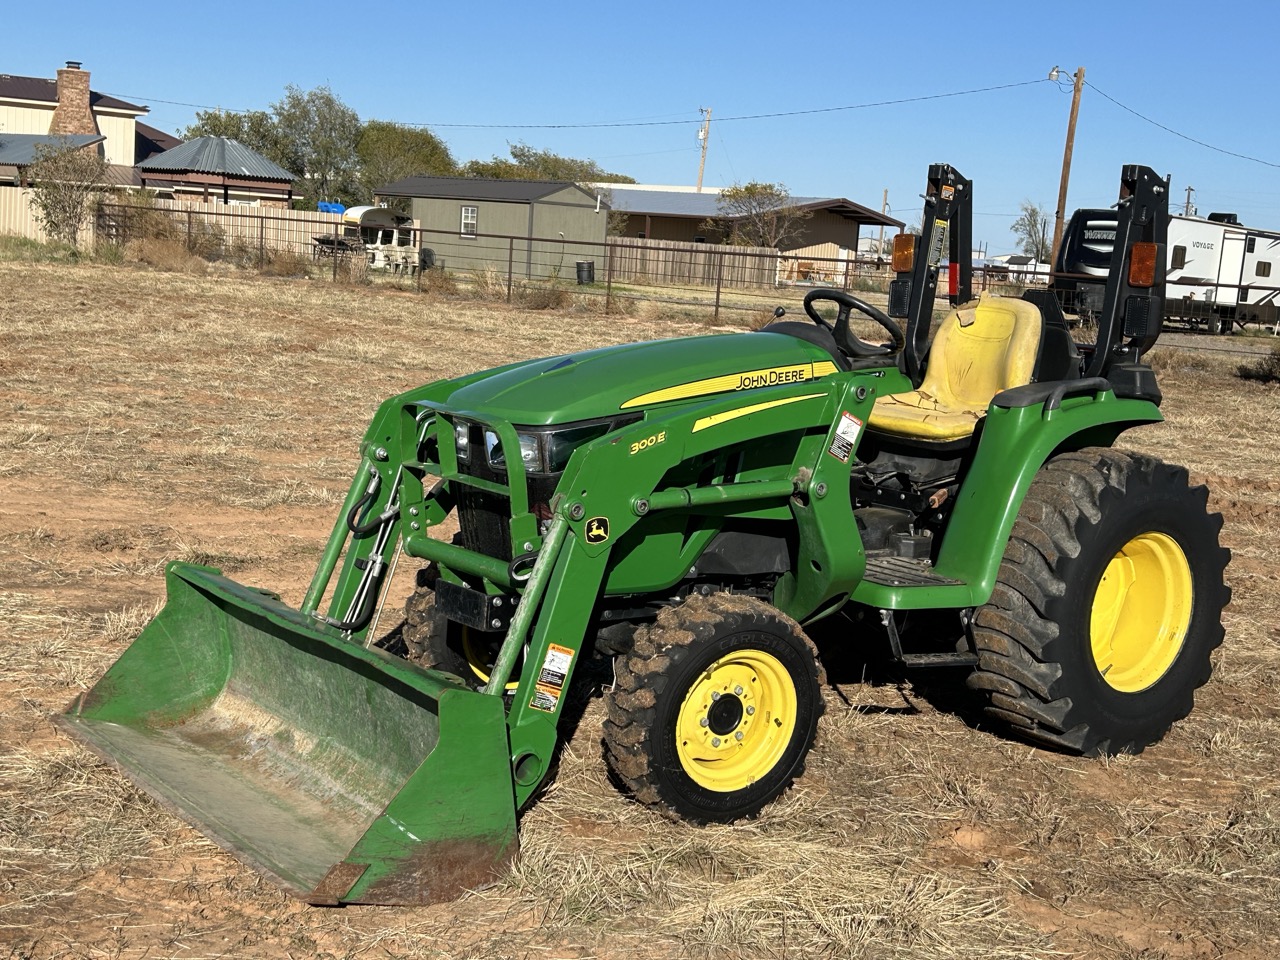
(1203, 70)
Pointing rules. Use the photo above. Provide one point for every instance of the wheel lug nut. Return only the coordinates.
(715, 741)
(738, 735)
(715, 694)
(704, 722)
(751, 711)
(738, 691)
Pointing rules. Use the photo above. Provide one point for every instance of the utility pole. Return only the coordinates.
(1187, 210)
(704, 134)
(884, 209)
(1066, 160)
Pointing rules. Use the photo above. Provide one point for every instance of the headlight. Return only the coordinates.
(562, 443)
(530, 451)
(462, 440)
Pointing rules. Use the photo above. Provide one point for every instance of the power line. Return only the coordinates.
(751, 116)
(1155, 123)
(647, 123)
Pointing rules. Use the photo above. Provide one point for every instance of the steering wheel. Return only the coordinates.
(846, 339)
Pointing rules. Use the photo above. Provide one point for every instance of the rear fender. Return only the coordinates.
(1014, 444)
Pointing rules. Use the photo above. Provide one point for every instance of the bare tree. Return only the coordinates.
(1032, 230)
(759, 215)
(65, 180)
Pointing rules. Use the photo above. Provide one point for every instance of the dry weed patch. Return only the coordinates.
(160, 415)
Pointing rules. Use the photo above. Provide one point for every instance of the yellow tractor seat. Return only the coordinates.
(978, 351)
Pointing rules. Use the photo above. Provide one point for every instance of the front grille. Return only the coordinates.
(483, 518)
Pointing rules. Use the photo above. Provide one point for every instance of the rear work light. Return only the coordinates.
(1143, 258)
(904, 252)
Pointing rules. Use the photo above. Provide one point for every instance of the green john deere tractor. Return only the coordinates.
(685, 507)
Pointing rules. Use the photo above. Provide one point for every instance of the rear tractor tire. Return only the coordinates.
(715, 709)
(1107, 605)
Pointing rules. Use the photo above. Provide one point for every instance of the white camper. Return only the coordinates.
(386, 236)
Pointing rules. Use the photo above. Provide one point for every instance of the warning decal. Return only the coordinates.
(551, 678)
(847, 432)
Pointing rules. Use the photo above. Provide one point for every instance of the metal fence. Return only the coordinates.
(617, 269)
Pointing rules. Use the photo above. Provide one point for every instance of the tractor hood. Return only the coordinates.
(599, 383)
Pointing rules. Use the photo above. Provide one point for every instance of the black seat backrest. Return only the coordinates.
(1058, 357)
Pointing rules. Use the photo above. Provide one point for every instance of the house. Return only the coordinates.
(217, 170)
(67, 106)
(539, 227)
(680, 213)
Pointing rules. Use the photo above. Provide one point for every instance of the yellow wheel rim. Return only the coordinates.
(1141, 612)
(478, 664)
(736, 721)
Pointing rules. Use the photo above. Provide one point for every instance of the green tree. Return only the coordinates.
(527, 163)
(1033, 232)
(66, 181)
(322, 135)
(391, 151)
(759, 215)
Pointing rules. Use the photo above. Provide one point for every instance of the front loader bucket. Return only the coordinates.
(349, 775)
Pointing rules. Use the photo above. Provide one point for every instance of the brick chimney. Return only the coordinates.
(73, 114)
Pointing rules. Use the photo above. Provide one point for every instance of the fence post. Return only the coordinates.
(262, 241)
(511, 258)
(719, 280)
(418, 273)
(335, 249)
(188, 228)
(608, 272)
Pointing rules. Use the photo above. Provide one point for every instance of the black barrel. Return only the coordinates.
(586, 271)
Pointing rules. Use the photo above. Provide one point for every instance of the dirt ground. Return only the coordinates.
(152, 416)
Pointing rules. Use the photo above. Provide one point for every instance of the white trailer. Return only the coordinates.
(1220, 273)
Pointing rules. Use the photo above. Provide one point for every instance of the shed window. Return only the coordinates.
(1179, 259)
(470, 215)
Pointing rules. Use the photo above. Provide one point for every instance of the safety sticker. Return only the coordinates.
(938, 243)
(551, 678)
(847, 432)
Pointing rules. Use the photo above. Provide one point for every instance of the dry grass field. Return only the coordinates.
(149, 416)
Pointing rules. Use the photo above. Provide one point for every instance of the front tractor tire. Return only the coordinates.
(1107, 606)
(714, 709)
(433, 642)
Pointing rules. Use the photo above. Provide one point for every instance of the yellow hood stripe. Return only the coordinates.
(742, 380)
(728, 415)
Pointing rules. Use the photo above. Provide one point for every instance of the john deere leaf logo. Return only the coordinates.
(597, 530)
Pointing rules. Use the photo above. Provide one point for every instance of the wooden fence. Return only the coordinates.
(17, 217)
(261, 228)
(676, 263)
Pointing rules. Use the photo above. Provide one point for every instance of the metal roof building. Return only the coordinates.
(479, 188)
(23, 149)
(218, 169)
(674, 213)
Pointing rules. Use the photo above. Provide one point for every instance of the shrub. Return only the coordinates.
(488, 284)
(1264, 370)
(165, 254)
(353, 270)
(285, 263)
(543, 296)
(24, 250)
(436, 280)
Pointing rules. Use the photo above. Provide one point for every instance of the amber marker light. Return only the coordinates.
(1142, 264)
(904, 252)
